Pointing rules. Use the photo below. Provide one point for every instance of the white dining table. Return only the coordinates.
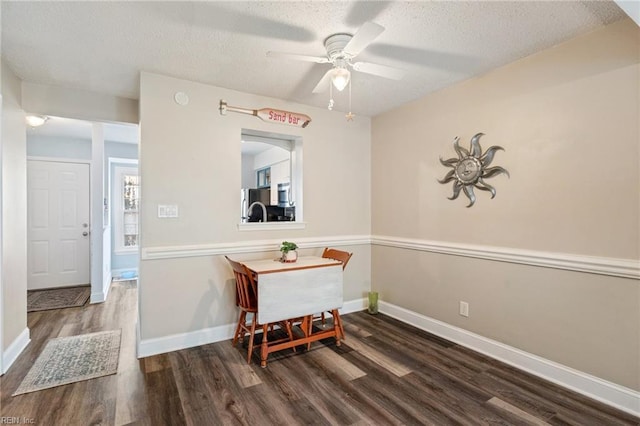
(310, 285)
(299, 289)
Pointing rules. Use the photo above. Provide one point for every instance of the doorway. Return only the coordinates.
(69, 141)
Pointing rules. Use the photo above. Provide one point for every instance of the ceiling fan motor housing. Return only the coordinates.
(335, 46)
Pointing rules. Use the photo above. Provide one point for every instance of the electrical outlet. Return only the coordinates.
(464, 309)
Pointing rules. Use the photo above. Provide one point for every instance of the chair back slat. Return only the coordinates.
(339, 255)
(246, 288)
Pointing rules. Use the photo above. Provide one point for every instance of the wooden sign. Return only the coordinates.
(270, 115)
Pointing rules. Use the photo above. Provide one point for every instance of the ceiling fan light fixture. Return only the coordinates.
(36, 120)
(340, 78)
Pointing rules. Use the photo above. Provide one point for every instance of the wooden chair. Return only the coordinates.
(340, 255)
(344, 257)
(247, 301)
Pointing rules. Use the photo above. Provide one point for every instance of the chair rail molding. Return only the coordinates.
(253, 246)
(624, 268)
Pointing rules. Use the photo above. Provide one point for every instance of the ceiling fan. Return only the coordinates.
(341, 49)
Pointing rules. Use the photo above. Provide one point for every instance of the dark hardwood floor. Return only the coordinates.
(386, 372)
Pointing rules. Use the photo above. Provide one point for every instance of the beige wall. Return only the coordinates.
(14, 207)
(190, 156)
(568, 119)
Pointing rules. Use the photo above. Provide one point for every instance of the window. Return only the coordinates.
(271, 181)
(127, 187)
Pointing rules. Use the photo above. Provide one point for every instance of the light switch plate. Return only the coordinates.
(167, 210)
(464, 309)
(172, 210)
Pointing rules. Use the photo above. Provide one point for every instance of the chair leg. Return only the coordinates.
(241, 320)
(254, 320)
(337, 322)
(344, 336)
(322, 318)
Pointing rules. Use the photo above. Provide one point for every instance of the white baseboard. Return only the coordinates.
(15, 348)
(101, 295)
(97, 297)
(106, 284)
(353, 306)
(176, 342)
(617, 396)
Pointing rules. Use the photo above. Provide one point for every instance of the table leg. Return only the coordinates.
(307, 327)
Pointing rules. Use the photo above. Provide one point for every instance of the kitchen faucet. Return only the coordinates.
(264, 210)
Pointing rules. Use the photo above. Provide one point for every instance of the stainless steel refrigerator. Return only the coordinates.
(248, 196)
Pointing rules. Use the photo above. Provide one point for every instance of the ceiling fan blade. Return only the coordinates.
(365, 35)
(306, 58)
(379, 70)
(324, 82)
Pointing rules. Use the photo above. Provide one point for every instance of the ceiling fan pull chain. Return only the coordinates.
(350, 115)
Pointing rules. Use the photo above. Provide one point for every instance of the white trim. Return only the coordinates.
(254, 246)
(107, 284)
(297, 178)
(620, 397)
(625, 268)
(58, 159)
(2, 309)
(270, 226)
(176, 342)
(15, 348)
(96, 198)
(355, 305)
(98, 297)
(122, 160)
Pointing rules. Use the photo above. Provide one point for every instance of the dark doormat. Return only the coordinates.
(57, 298)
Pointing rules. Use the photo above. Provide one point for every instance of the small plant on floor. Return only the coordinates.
(289, 253)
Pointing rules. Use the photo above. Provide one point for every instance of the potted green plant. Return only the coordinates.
(289, 253)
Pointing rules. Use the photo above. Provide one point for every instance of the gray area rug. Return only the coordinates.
(72, 359)
(57, 298)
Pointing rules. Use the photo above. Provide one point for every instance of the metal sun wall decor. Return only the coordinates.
(471, 168)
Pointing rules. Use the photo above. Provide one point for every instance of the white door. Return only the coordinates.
(58, 224)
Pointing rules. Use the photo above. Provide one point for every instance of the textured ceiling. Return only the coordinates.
(103, 46)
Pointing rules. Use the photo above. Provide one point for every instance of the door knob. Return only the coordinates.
(85, 233)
